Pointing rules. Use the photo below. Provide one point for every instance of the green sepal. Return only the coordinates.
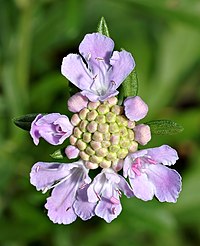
(103, 28)
(164, 127)
(24, 121)
(129, 87)
(58, 154)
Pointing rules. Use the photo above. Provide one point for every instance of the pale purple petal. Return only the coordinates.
(107, 210)
(94, 97)
(166, 181)
(34, 131)
(135, 108)
(163, 154)
(142, 134)
(125, 187)
(75, 70)
(96, 46)
(122, 64)
(95, 188)
(60, 204)
(142, 187)
(43, 174)
(83, 208)
(77, 102)
(72, 152)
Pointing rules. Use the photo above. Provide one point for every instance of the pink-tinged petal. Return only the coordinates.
(142, 187)
(77, 102)
(163, 154)
(125, 187)
(43, 174)
(122, 64)
(75, 70)
(142, 134)
(72, 152)
(108, 210)
(60, 204)
(135, 108)
(82, 207)
(96, 46)
(166, 182)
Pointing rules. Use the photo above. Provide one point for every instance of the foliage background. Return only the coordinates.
(164, 37)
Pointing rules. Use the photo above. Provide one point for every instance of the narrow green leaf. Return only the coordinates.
(129, 87)
(103, 28)
(164, 127)
(24, 121)
(59, 154)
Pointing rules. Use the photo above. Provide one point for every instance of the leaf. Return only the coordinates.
(129, 87)
(58, 154)
(103, 28)
(164, 127)
(24, 121)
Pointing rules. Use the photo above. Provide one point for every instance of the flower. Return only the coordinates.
(99, 71)
(54, 128)
(68, 182)
(105, 189)
(149, 176)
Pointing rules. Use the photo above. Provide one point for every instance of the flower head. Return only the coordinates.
(99, 71)
(149, 176)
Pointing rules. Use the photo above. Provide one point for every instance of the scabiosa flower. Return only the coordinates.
(149, 176)
(102, 134)
(99, 71)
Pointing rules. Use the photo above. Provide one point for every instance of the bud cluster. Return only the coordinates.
(102, 133)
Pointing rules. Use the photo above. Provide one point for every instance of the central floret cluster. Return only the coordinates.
(102, 133)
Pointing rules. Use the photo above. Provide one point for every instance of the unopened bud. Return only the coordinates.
(92, 127)
(83, 125)
(83, 113)
(105, 144)
(125, 143)
(117, 165)
(113, 128)
(95, 145)
(91, 165)
(81, 145)
(131, 134)
(92, 115)
(89, 151)
(114, 148)
(77, 132)
(72, 140)
(122, 153)
(96, 159)
(105, 164)
(115, 138)
(106, 136)
(101, 119)
(112, 101)
(123, 131)
(75, 119)
(102, 152)
(84, 156)
(116, 109)
(103, 109)
(110, 117)
(103, 127)
(121, 120)
(97, 136)
(133, 147)
(87, 137)
(131, 124)
(111, 156)
(93, 105)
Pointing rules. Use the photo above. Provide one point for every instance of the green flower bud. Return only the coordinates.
(103, 127)
(97, 136)
(83, 125)
(113, 128)
(101, 119)
(95, 145)
(103, 109)
(105, 163)
(111, 156)
(133, 147)
(93, 105)
(77, 132)
(125, 143)
(81, 145)
(101, 152)
(84, 156)
(116, 109)
(89, 151)
(96, 159)
(122, 153)
(112, 101)
(75, 119)
(115, 138)
(110, 117)
(131, 134)
(92, 115)
(121, 120)
(123, 131)
(92, 127)
(105, 144)
(106, 136)
(114, 148)
(83, 113)
(87, 137)
(72, 140)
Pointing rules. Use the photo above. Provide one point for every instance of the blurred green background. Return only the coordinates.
(164, 38)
